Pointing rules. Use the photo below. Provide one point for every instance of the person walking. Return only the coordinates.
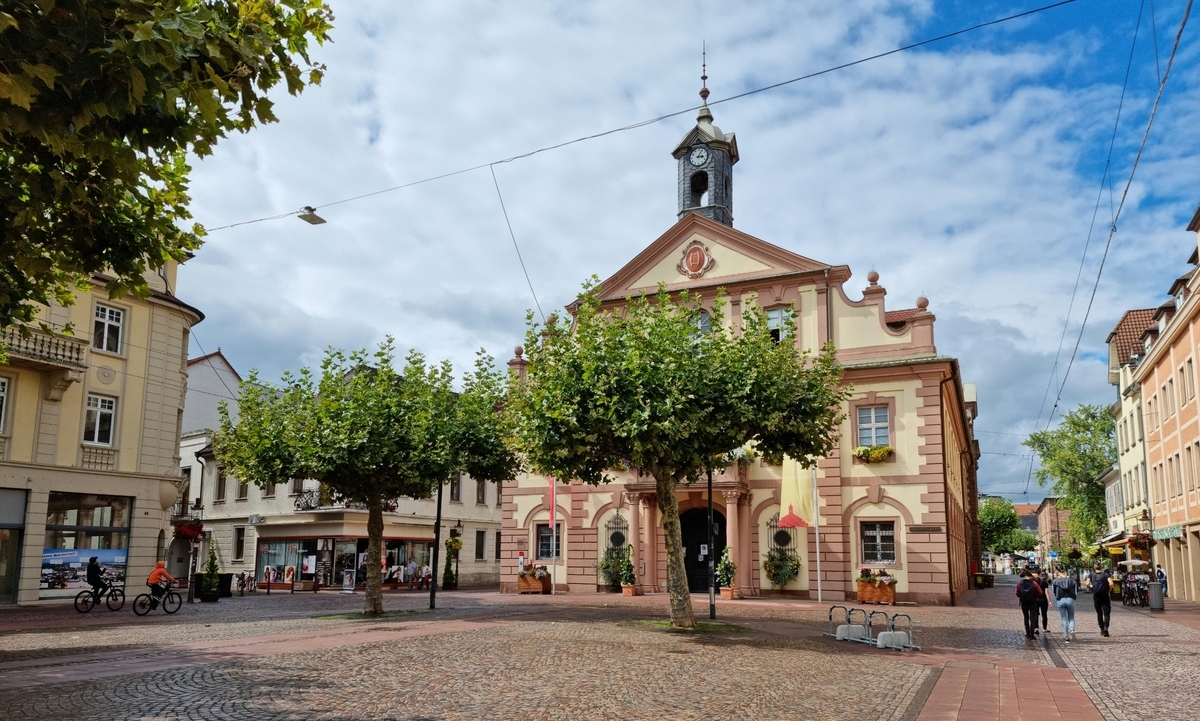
(1028, 592)
(1043, 580)
(1101, 585)
(1162, 578)
(1065, 591)
(411, 569)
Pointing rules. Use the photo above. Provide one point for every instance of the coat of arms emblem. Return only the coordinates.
(696, 260)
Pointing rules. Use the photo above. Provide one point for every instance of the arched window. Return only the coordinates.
(779, 321)
(703, 322)
(699, 189)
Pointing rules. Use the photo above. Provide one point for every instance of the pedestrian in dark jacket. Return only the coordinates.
(1044, 600)
(1101, 585)
(1028, 592)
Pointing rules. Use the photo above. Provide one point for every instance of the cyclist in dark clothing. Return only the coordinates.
(95, 578)
(1101, 585)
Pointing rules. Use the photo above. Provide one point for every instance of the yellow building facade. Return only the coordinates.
(89, 438)
(913, 514)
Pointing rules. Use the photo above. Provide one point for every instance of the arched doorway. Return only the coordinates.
(693, 529)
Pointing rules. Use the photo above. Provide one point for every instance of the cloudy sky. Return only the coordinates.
(966, 171)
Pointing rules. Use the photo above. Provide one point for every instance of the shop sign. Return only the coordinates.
(924, 529)
(1162, 534)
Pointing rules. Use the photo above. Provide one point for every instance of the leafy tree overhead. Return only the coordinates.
(997, 518)
(645, 387)
(370, 433)
(1071, 458)
(100, 103)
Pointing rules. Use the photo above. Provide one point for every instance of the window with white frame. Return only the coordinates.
(106, 330)
(878, 542)
(703, 322)
(779, 322)
(873, 426)
(98, 424)
(547, 543)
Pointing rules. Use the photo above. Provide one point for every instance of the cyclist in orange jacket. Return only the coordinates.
(156, 578)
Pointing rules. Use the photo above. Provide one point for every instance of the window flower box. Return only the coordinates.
(876, 587)
(874, 454)
(535, 579)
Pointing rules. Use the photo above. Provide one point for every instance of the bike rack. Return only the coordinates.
(906, 637)
(857, 624)
(832, 633)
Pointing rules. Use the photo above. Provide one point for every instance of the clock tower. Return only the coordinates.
(705, 158)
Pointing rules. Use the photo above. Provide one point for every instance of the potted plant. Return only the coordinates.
(628, 577)
(873, 454)
(534, 579)
(189, 529)
(876, 587)
(612, 567)
(726, 570)
(781, 566)
(210, 587)
(449, 580)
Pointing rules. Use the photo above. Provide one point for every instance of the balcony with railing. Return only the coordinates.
(32, 346)
(317, 500)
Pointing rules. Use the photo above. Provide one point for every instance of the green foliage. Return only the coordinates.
(781, 566)
(1015, 541)
(1071, 458)
(873, 454)
(211, 568)
(612, 566)
(726, 569)
(448, 578)
(997, 519)
(370, 432)
(100, 103)
(643, 387)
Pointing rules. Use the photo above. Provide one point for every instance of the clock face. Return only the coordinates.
(699, 156)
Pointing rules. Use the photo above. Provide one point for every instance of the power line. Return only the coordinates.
(1105, 179)
(515, 246)
(1125, 194)
(660, 118)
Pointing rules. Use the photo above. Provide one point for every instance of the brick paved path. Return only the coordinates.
(486, 655)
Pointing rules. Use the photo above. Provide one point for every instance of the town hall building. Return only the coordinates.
(912, 513)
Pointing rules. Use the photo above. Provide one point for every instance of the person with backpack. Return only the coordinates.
(1065, 591)
(1028, 593)
(1043, 581)
(1101, 584)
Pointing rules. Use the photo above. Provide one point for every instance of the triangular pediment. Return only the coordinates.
(728, 256)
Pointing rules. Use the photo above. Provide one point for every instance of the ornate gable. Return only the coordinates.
(699, 252)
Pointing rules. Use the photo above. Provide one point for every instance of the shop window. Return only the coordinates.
(79, 526)
(873, 426)
(481, 492)
(98, 423)
(480, 544)
(456, 489)
(239, 543)
(219, 489)
(106, 330)
(878, 542)
(548, 543)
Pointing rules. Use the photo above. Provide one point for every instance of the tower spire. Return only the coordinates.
(704, 71)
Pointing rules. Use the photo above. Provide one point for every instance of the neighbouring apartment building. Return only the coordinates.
(89, 438)
(1051, 525)
(913, 514)
(1167, 375)
(294, 532)
(1126, 347)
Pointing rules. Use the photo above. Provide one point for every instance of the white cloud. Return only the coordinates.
(966, 174)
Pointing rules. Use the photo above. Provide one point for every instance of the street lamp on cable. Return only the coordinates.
(309, 215)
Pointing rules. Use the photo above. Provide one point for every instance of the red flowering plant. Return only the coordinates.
(189, 529)
(1140, 541)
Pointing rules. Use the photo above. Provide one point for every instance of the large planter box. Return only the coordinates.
(883, 593)
(529, 584)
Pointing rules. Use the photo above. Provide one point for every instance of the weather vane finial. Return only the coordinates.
(703, 71)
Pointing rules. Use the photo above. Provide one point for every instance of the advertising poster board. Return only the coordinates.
(64, 570)
(347, 581)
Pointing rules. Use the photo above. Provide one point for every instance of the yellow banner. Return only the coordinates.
(796, 496)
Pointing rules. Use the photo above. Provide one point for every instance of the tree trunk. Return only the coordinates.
(677, 586)
(374, 601)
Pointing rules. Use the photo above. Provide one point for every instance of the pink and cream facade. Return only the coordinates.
(913, 514)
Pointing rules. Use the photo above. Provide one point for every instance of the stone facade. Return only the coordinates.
(919, 505)
(89, 438)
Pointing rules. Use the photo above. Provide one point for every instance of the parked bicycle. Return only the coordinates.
(170, 601)
(245, 582)
(114, 598)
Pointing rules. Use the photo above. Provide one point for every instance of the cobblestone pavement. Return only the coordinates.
(487, 655)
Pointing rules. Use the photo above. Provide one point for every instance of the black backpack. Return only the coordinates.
(1027, 591)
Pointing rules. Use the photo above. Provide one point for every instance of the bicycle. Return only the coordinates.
(245, 583)
(114, 598)
(145, 602)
